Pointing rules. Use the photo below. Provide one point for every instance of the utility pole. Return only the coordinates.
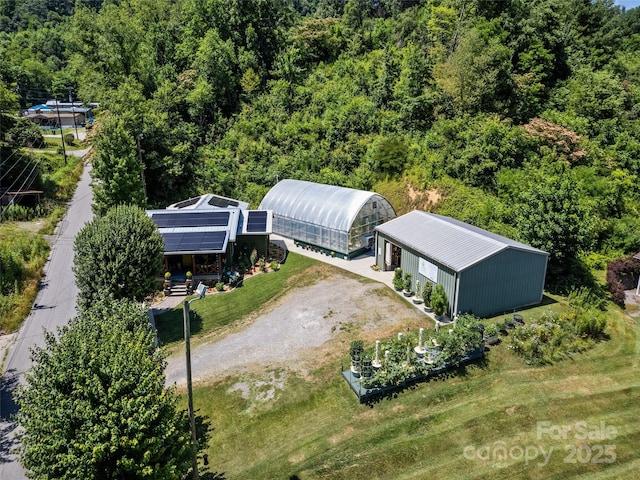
(202, 290)
(64, 150)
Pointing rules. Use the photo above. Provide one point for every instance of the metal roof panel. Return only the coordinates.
(452, 243)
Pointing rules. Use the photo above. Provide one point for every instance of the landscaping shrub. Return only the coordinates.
(11, 271)
(558, 336)
(622, 275)
(69, 138)
(398, 281)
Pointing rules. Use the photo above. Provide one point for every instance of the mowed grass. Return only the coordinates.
(314, 427)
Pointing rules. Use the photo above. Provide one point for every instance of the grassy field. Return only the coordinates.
(314, 427)
(27, 241)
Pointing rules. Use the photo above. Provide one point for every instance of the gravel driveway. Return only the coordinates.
(294, 333)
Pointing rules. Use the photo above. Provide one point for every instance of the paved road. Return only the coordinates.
(53, 307)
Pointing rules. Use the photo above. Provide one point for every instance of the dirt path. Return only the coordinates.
(304, 329)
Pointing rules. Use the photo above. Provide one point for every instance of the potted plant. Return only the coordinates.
(406, 285)
(253, 258)
(418, 297)
(427, 290)
(355, 351)
(167, 283)
(490, 334)
(439, 301)
(189, 283)
(398, 283)
(366, 368)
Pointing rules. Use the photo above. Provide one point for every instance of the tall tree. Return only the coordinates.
(118, 255)
(550, 217)
(95, 406)
(117, 167)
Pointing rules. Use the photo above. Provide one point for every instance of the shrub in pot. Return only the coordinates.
(418, 297)
(427, 290)
(355, 351)
(439, 300)
(398, 282)
(490, 334)
(406, 285)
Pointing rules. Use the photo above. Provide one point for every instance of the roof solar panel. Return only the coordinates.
(222, 202)
(194, 241)
(191, 219)
(257, 221)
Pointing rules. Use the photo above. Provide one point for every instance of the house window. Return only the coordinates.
(374, 205)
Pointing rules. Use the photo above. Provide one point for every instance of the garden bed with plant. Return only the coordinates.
(557, 336)
(412, 357)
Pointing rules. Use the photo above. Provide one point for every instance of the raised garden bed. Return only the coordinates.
(403, 361)
(366, 395)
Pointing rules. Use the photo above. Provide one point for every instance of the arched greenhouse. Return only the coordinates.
(333, 219)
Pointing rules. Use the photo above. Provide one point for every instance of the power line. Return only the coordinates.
(30, 161)
(5, 161)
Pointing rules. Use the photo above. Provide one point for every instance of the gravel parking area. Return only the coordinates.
(305, 328)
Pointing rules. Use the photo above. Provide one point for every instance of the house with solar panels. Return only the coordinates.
(209, 233)
(482, 273)
(329, 218)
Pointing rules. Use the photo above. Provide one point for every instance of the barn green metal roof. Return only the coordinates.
(455, 244)
(327, 205)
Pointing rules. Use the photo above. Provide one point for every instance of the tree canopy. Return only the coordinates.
(461, 99)
(94, 405)
(118, 255)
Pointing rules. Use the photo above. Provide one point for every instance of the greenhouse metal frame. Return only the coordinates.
(334, 219)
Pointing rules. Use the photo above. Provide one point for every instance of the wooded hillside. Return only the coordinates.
(517, 116)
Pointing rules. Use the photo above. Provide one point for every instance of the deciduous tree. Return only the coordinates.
(117, 168)
(95, 405)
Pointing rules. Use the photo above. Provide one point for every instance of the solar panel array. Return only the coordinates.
(191, 219)
(257, 221)
(194, 241)
(222, 202)
(187, 203)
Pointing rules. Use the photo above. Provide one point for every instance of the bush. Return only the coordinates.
(558, 336)
(622, 275)
(439, 301)
(406, 284)
(11, 271)
(69, 138)
(118, 255)
(398, 282)
(586, 298)
(427, 290)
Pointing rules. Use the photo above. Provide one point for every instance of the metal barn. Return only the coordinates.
(482, 273)
(334, 219)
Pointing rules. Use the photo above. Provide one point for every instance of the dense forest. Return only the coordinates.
(518, 116)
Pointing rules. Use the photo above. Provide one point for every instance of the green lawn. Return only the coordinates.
(230, 307)
(451, 428)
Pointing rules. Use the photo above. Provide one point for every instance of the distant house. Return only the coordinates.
(52, 119)
(208, 233)
(334, 219)
(481, 272)
(54, 114)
